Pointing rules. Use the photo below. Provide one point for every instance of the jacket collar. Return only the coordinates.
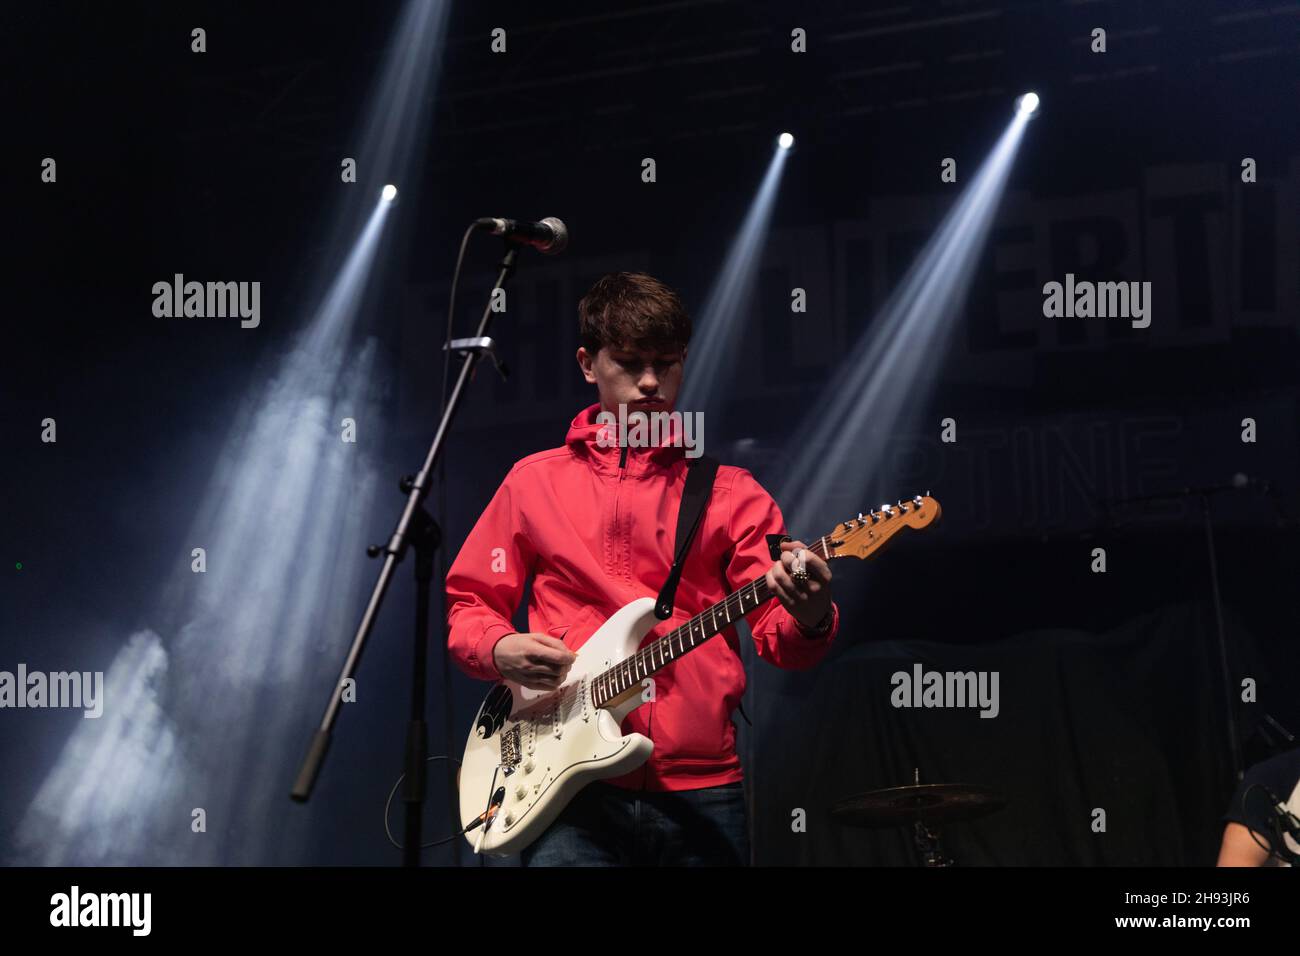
(598, 444)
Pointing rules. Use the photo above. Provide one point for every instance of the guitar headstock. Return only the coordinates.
(859, 537)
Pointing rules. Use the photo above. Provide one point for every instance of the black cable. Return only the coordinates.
(441, 478)
(451, 311)
(389, 802)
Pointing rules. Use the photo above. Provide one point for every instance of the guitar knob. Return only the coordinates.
(509, 818)
(528, 766)
(521, 792)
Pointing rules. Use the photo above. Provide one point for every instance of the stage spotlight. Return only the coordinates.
(785, 140)
(721, 321)
(869, 404)
(389, 193)
(1027, 105)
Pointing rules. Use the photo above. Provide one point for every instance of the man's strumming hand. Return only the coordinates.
(536, 661)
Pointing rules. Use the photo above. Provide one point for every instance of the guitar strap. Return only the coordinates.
(700, 473)
(695, 499)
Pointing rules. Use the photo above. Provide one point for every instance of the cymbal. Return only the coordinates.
(924, 803)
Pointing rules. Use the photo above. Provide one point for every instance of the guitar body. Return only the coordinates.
(534, 750)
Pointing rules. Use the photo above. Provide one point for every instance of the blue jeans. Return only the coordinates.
(606, 825)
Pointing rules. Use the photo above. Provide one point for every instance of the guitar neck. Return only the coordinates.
(609, 685)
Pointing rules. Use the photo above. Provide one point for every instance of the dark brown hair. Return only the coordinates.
(632, 309)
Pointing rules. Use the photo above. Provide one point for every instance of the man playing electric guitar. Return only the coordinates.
(593, 524)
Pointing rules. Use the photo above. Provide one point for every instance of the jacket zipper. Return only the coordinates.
(649, 720)
(618, 530)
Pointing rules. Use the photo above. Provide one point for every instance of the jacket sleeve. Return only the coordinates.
(486, 583)
(752, 515)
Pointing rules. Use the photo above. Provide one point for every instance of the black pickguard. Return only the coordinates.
(496, 708)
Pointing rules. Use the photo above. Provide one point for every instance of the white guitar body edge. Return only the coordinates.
(555, 757)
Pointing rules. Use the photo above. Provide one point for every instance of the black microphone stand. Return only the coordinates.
(416, 528)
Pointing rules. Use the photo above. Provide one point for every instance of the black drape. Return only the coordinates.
(1129, 721)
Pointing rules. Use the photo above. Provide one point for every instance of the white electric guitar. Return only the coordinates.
(530, 752)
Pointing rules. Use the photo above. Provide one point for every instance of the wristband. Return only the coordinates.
(822, 626)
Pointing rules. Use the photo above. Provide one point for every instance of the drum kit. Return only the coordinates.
(923, 806)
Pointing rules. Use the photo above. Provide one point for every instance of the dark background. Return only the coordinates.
(225, 165)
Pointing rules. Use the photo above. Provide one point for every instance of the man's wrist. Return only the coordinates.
(821, 628)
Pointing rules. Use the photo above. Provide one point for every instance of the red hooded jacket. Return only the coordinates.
(596, 530)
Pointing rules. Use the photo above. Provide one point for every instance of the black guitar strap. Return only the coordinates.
(700, 473)
(695, 500)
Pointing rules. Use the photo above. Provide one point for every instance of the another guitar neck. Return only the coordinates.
(609, 685)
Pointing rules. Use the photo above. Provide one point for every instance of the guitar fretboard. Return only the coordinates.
(609, 685)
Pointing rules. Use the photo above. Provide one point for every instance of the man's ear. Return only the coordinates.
(585, 362)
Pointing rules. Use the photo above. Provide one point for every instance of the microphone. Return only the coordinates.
(1287, 826)
(548, 236)
(1290, 822)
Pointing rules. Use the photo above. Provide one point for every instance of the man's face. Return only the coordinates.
(644, 380)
